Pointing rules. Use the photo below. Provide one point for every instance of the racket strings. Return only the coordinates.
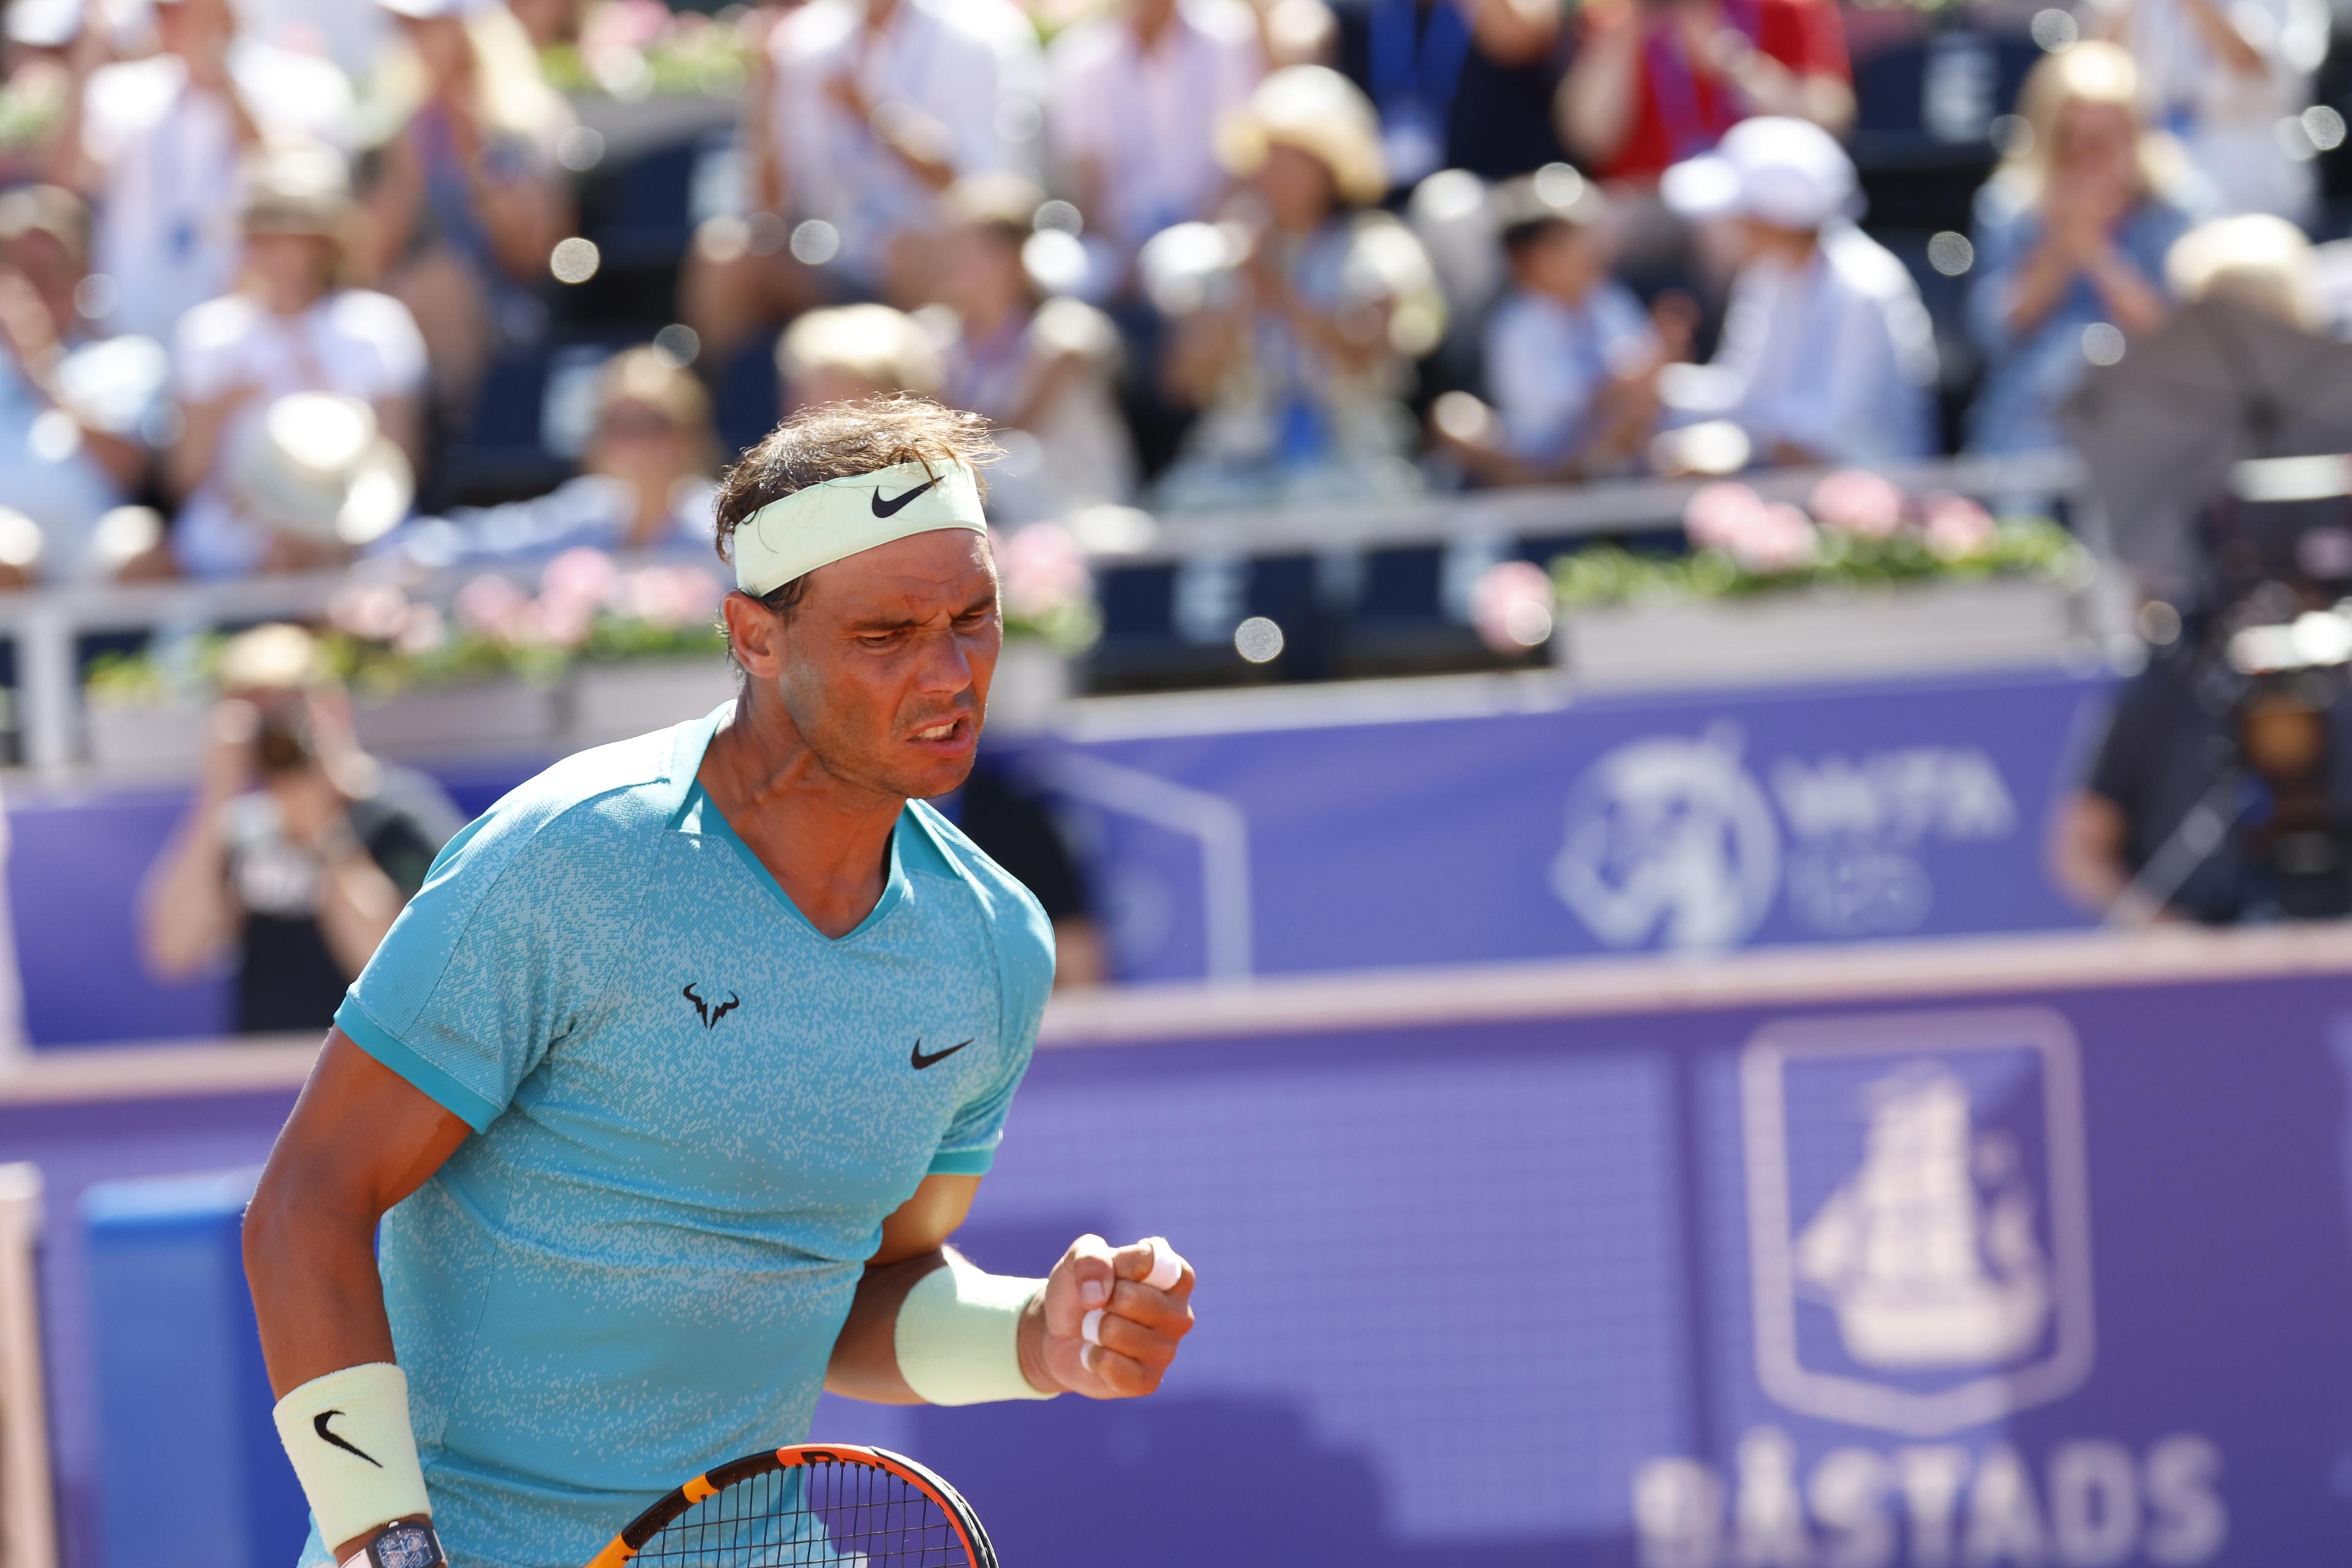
(816, 1516)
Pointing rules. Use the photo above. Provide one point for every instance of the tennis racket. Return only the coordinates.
(814, 1505)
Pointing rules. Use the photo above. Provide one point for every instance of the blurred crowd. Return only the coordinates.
(259, 259)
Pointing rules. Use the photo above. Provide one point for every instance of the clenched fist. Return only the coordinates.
(1110, 1318)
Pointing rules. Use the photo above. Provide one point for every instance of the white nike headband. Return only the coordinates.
(796, 534)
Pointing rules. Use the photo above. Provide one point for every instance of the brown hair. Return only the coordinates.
(838, 441)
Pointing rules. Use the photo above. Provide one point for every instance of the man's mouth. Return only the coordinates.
(948, 737)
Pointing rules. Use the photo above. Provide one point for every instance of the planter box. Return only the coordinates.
(1032, 683)
(1818, 636)
(498, 717)
(162, 740)
(613, 701)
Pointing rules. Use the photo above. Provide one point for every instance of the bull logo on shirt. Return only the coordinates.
(708, 1011)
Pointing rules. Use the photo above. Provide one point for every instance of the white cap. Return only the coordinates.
(1791, 174)
(43, 24)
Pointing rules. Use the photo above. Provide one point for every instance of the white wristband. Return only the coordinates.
(958, 1336)
(349, 1436)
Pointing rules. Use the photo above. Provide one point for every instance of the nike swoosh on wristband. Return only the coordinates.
(921, 1061)
(318, 1425)
(892, 507)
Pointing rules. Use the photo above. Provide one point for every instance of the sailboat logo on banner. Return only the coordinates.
(1918, 1219)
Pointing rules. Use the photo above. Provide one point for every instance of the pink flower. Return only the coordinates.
(1957, 527)
(669, 596)
(1859, 502)
(374, 613)
(1782, 540)
(424, 631)
(1043, 569)
(1720, 514)
(488, 605)
(1510, 607)
(579, 579)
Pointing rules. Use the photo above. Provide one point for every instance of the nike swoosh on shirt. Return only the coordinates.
(892, 507)
(921, 1061)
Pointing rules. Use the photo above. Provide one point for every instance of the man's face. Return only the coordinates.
(885, 664)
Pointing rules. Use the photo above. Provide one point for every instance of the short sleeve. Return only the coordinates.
(1024, 958)
(208, 351)
(387, 351)
(471, 984)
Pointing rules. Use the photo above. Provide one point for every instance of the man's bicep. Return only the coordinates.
(361, 1133)
(924, 1222)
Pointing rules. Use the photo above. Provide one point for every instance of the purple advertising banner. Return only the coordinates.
(1959, 1274)
(1685, 824)
(1270, 839)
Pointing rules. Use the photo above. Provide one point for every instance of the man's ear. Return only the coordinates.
(756, 634)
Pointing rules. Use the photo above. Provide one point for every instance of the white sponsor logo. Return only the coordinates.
(1954, 1294)
(1672, 842)
(1920, 1260)
(2091, 1503)
(1669, 839)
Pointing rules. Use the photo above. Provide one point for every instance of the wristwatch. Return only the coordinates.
(402, 1544)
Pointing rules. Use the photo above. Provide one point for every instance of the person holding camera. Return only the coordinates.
(300, 849)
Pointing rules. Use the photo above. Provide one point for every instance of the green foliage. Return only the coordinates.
(1609, 574)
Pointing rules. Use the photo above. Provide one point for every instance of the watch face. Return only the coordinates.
(407, 1546)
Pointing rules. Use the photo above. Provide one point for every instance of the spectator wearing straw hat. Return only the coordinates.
(289, 329)
(76, 410)
(1827, 354)
(299, 849)
(1040, 367)
(1301, 353)
(1569, 353)
(158, 145)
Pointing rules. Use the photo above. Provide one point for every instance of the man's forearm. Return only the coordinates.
(865, 1363)
(316, 1293)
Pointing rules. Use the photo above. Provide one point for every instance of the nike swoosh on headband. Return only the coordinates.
(797, 533)
(890, 507)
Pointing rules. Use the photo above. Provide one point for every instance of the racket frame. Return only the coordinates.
(669, 1510)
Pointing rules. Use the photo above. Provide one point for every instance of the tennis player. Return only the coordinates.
(670, 1086)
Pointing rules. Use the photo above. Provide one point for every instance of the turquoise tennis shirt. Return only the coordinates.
(692, 1112)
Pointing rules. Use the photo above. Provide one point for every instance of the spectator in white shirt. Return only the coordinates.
(1039, 368)
(1136, 99)
(1827, 354)
(1570, 355)
(288, 329)
(864, 112)
(76, 410)
(159, 144)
